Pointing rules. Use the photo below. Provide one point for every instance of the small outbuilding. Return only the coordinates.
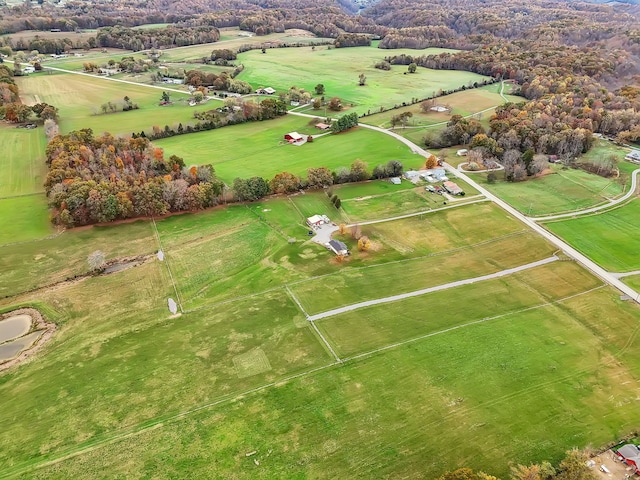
(265, 91)
(322, 126)
(317, 220)
(395, 180)
(633, 156)
(293, 137)
(337, 247)
(462, 152)
(452, 188)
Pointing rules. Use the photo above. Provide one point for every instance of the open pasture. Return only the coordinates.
(304, 67)
(610, 239)
(350, 286)
(22, 163)
(478, 101)
(79, 98)
(258, 148)
(522, 381)
(563, 190)
(22, 219)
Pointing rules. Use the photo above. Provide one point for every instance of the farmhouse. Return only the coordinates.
(337, 247)
(293, 137)
(317, 220)
(452, 188)
(412, 175)
(265, 91)
(437, 174)
(633, 156)
(323, 126)
(630, 455)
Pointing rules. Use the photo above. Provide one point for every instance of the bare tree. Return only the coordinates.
(96, 261)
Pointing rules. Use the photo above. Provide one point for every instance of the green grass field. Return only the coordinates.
(530, 363)
(610, 239)
(564, 190)
(89, 93)
(258, 149)
(304, 67)
(23, 161)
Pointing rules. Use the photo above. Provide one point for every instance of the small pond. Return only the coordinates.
(11, 349)
(14, 327)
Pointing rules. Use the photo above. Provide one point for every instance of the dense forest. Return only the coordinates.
(101, 179)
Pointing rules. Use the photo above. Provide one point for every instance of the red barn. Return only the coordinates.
(630, 455)
(293, 137)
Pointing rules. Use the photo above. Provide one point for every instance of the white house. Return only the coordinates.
(317, 220)
(633, 156)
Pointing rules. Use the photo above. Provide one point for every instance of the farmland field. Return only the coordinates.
(89, 93)
(273, 367)
(564, 190)
(258, 149)
(304, 67)
(610, 238)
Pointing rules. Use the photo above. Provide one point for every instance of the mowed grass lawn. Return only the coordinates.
(564, 190)
(22, 163)
(21, 219)
(258, 148)
(79, 98)
(610, 239)
(338, 69)
(531, 384)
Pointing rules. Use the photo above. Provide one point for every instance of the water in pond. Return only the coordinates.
(14, 327)
(11, 349)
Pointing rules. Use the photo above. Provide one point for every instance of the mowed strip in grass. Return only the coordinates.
(348, 286)
(258, 148)
(304, 67)
(374, 327)
(611, 239)
(119, 361)
(563, 190)
(23, 219)
(22, 164)
(521, 382)
(79, 97)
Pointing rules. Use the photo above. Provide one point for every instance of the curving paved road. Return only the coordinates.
(437, 288)
(625, 197)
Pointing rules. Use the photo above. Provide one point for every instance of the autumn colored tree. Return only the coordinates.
(364, 244)
(319, 177)
(432, 162)
(284, 182)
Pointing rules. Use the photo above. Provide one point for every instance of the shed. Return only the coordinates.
(337, 247)
(293, 137)
(395, 180)
(323, 126)
(633, 156)
(630, 455)
(316, 220)
(462, 152)
(452, 188)
(266, 91)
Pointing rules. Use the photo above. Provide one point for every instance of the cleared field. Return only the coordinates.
(258, 148)
(356, 285)
(304, 67)
(131, 364)
(564, 190)
(89, 93)
(22, 219)
(610, 239)
(22, 164)
(465, 103)
(382, 416)
(35, 264)
(374, 327)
